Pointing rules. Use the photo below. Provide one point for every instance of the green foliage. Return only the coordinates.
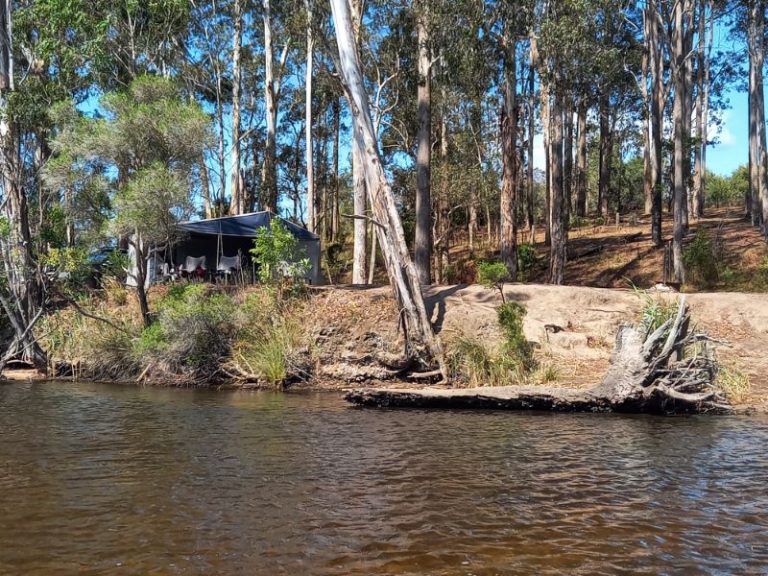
(655, 311)
(469, 361)
(493, 275)
(193, 331)
(700, 259)
(526, 260)
(515, 346)
(151, 204)
(278, 256)
(151, 341)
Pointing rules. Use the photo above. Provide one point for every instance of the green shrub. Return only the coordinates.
(278, 256)
(515, 346)
(493, 275)
(268, 352)
(194, 330)
(470, 362)
(526, 260)
(700, 259)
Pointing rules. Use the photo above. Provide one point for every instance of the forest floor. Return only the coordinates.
(610, 256)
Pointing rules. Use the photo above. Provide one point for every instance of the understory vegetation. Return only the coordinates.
(199, 334)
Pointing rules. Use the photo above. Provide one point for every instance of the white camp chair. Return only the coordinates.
(228, 265)
(194, 267)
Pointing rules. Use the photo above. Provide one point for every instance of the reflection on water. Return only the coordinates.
(98, 479)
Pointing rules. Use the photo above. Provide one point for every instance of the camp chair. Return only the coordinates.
(194, 267)
(228, 265)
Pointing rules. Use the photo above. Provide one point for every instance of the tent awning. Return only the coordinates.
(245, 225)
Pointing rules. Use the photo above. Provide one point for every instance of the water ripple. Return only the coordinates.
(112, 480)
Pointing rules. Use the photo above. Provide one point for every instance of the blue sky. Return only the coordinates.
(732, 149)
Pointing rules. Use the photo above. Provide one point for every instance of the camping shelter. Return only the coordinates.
(233, 236)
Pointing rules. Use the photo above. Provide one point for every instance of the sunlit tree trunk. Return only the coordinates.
(606, 153)
(236, 205)
(272, 81)
(421, 340)
(508, 125)
(423, 238)
(757, 151)
(531, 190)
(311, 218)
(559, 223)
(678, 112)
(359, 199)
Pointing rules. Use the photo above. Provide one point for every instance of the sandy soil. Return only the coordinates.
(573, 327)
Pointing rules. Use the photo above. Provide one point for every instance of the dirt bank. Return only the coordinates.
(355, 329)
(350, 336)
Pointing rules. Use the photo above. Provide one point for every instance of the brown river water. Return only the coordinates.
(100, 479)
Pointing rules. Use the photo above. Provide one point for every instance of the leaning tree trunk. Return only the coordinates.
(647, 374)
(421, 341)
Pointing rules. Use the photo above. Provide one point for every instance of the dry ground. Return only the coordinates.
(357, 322)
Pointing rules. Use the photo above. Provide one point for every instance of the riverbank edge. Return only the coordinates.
(352, 328)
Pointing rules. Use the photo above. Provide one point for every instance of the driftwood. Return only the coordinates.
(647, 374)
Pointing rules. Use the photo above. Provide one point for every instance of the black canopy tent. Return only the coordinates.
(234, 235)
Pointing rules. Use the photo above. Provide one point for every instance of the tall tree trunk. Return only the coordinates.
(508, 125)
(658, 103)
(701, 120)
(567, 155)
(531, 190)
(311, 218)
(581, 161)
(606, 153)
(757, 140)
(21, 295)
(423, 237)
(236, 206)
(335, 212)
(420, 339)
(272, 81)
(359, 199)
(443, 241)
(559, 223)
(678, 113)
(546, 126)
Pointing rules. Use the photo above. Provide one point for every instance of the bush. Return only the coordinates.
(278, 256)
(526, 261)
(515, 346)
(734, 384)
(493, 275)
(193, 331)
(700, 259)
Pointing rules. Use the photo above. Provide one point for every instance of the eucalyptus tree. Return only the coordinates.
(758, 163)
(420, 337)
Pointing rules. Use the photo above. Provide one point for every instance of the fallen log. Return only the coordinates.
(667, 370)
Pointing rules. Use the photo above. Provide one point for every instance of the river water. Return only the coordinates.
(99, 479)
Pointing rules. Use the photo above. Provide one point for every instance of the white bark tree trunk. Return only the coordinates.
(359, 196)
(236, 204)
(311, 217)
(420, 339)
(423, 238)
